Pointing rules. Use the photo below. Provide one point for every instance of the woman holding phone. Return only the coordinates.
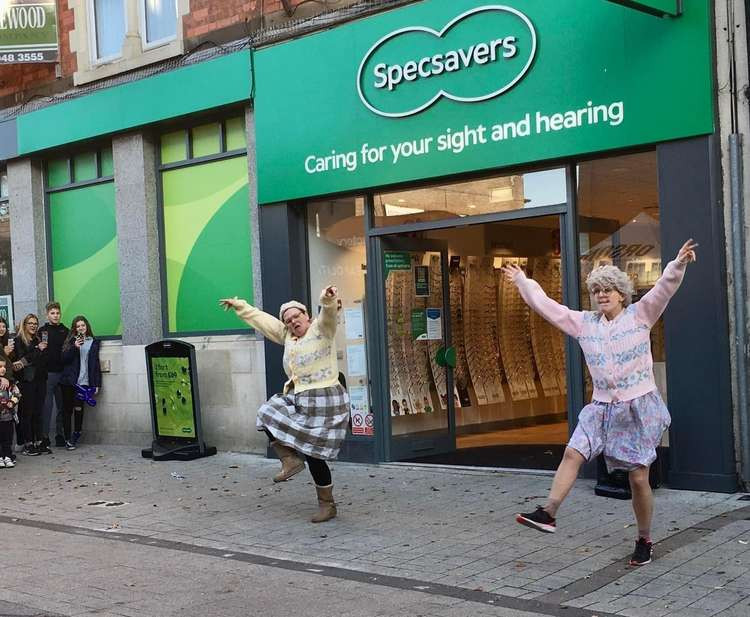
(81, 377)
(28, 356)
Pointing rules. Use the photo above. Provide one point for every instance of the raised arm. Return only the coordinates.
(266, 324)
(560, 316)
(650, 307)
(328, 310)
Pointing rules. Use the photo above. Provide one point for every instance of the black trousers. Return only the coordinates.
(72, 409)
(6, 439)
(319, 470)
(30, 409)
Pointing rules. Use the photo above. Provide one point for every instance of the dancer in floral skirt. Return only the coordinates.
(626, 417)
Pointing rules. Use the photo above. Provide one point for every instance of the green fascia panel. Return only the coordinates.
(206, 85)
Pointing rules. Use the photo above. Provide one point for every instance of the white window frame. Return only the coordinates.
(91, 14)
(145, 44)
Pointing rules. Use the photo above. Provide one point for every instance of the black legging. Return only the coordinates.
(30, 409)
(319, 470)
(72, 408)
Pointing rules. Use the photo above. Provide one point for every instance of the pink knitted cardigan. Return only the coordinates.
(617, 352)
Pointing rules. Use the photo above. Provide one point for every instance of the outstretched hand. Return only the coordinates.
(227, 303)
(686, 254)
(511, 270)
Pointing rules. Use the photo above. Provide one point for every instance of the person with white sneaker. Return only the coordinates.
(626, 417)
(8, 418)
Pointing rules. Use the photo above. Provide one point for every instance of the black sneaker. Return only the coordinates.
(43, 447)
(539, 519)
(644, 551)
(30, 450)
(69, 446)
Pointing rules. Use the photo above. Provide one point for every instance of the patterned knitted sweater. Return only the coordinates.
(310, 361)
(617, 351)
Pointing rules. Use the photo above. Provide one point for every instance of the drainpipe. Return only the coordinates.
(738, 245)
(740, 317)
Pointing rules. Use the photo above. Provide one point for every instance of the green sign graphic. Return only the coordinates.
(418, 325)
(409, 69)
(396, 260)
(85, 270)
(207, 243)
(442, 87)
(173, 397)
(28, 31)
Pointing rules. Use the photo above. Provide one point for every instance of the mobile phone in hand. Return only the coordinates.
(45, 336)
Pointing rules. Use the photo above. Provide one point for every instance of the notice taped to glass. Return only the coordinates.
(173, 397)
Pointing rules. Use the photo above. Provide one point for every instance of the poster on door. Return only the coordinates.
(362, 420)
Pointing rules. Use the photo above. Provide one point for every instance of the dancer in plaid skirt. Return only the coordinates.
(310, 417)
(626, 418)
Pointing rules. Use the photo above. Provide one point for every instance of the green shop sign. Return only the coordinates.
(442, 87)
(28, 31)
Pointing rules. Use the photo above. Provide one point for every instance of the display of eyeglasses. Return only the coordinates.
(504, 351)
(410, 379)
(515, 343)
(547, 341)
(433, 346)
(480, 330)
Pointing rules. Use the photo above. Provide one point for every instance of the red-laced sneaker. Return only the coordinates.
(644, 551)
(539, 520)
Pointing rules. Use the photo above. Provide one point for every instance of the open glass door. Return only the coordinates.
(418, 356)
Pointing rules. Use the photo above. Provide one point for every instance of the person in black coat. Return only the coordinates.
(28, 357)
(81, 375)
(56, 333)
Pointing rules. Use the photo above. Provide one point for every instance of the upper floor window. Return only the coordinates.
(108, 27)
(160, 21)
(115, 36)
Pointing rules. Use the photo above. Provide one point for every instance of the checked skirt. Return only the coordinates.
(313, 422)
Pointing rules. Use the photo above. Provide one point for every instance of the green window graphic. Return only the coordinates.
(207, 243)
(83, 243)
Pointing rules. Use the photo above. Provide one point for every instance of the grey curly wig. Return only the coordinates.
(611, 276)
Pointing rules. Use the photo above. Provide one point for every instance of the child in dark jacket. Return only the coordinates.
(80, 357)
(8, 418)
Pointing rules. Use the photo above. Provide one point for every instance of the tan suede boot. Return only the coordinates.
(326, 505)
(291, 463)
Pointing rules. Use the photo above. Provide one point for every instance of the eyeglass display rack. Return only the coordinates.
(515, 343)
(461, 370)
(546, 340)
(433, 347)
(489, 320)
(410, 380)
(480, 330)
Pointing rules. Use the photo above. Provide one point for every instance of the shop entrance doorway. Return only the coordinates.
(475, 378)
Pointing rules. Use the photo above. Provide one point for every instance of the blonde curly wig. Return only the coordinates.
(611, 276)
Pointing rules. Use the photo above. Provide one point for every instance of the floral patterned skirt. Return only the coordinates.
(626, 432)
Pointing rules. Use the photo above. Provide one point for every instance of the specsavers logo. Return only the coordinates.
(477, 56)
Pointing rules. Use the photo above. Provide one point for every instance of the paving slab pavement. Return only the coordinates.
(440, 533)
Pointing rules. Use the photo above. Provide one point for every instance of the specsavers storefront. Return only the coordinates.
(407, 156)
